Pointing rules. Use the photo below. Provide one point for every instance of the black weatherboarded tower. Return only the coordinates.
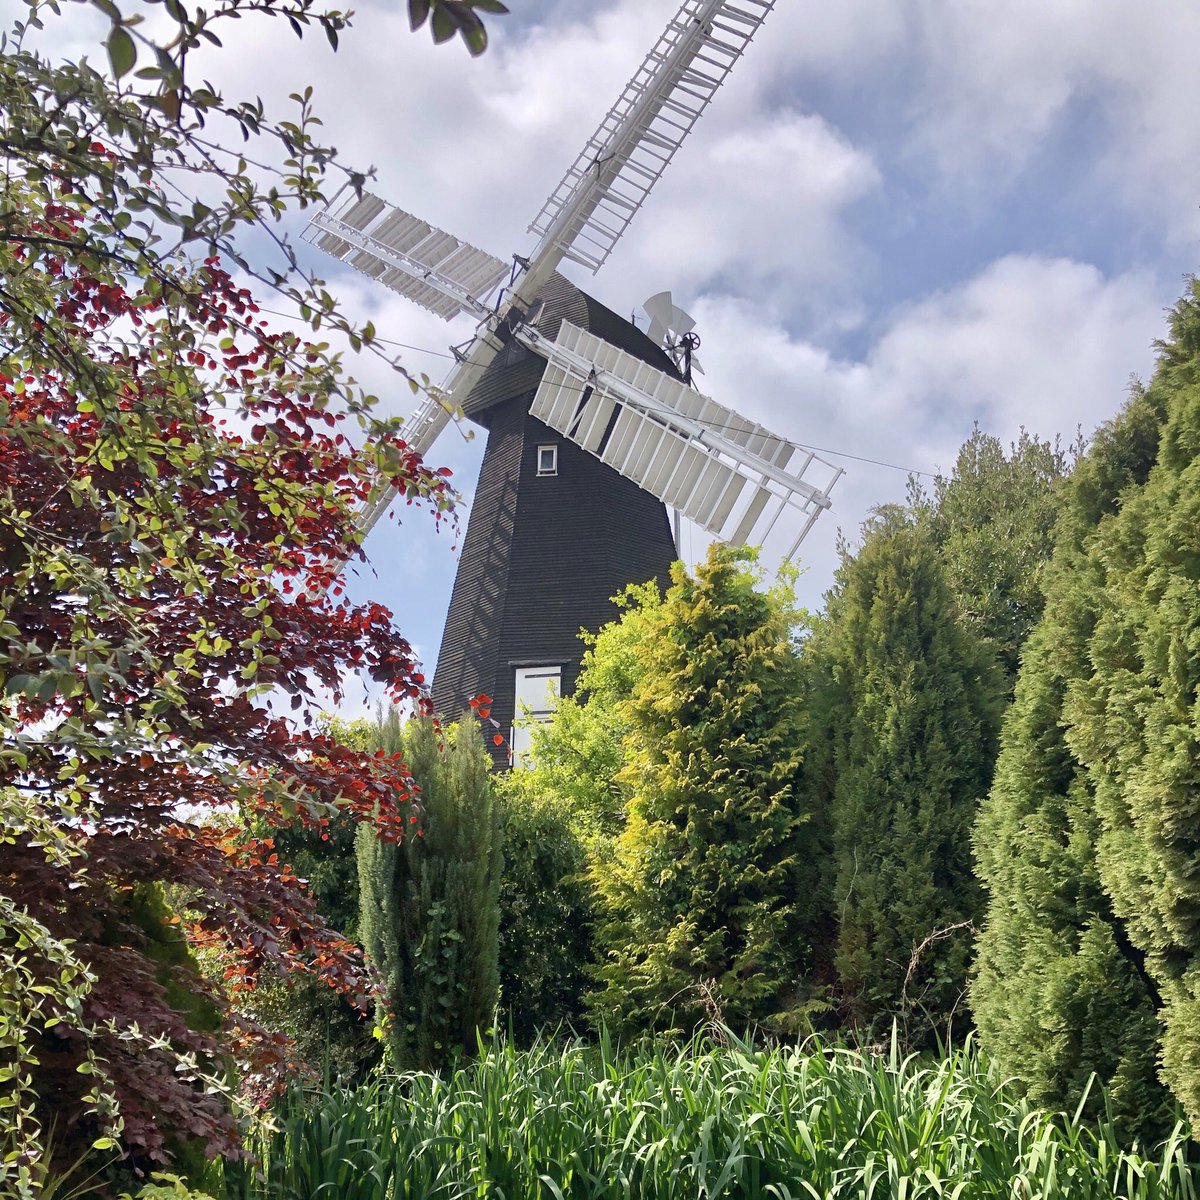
(553, 534)
(592, 430)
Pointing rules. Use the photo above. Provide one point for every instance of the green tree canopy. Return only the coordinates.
(429, 904)
(705, 897)
(547, 917)
(1133, 715)
(992, 520)
(1058, 990)
(907, 701)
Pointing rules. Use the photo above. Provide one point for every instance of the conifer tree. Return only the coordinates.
(1059, 993)
(429, 905)
(993, 521)
(1134, 717)
(705, 896)
(908, 704)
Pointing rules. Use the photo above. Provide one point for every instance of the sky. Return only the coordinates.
(897, 219)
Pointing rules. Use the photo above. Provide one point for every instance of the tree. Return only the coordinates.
(430, 913)
(547, 917)
(577, 755)
(157, 582)
(704, 900)
(993, 520)
(330, 1036)
(1132, 713)
(178, 484)
(563, 812)
(910, 704)
(1059, 992)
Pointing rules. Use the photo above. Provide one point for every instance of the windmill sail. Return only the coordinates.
(730, 475)
(604, 188)
(667, 319)
(421, 262)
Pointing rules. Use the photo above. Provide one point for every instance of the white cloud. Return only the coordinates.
(1028, 341)
(981, 90)
(758, 207)
(1044, 344)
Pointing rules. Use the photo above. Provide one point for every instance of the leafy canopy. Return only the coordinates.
(701, 898)
(177, 485)
(907, 703)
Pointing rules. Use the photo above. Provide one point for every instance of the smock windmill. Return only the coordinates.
(593, 427)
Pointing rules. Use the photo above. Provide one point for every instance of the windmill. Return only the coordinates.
(593, 427)
(672, 329)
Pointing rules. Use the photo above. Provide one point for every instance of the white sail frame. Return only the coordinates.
(730, 475)
(418, 260)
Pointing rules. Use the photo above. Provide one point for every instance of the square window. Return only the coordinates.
(547, 460)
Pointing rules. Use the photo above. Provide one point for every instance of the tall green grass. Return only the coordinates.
(704, 1120)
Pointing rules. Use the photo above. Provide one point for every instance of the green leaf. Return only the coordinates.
(476, 39)
(17, 684)
(418, 12)
(122, 53)
(443, 26)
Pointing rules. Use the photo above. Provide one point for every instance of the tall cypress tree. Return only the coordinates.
(993, 522)
(706, 892)
(1135, 717)
(907, 704)
(429, 906)
(1059, 992)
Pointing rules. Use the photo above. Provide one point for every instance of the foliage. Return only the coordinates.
(1132, 716)
(577, 756)
(430, 911)
(707, 1120)
(157, 581)
(704, 899)
(993, 520)
(907, 702)
(562, 813)
(178, 486)
(165, 1186)
(448, 17)
(547, 916)
(34, 998)
(1059, 993)
(329, 1035)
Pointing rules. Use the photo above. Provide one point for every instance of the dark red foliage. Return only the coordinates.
(176, 517)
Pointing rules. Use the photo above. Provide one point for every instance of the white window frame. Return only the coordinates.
(552, 469)
(544, 683)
